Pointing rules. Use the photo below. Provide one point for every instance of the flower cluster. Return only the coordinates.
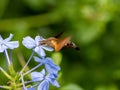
(39, 80)
(50, 73)
(7, 44)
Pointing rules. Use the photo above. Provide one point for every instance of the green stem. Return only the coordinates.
(11, 70)
(5, 87)
(10, 65)
(27, 62)
(6, 74)
(32, 69)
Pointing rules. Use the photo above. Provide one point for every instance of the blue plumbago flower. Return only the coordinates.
(50, 66)
(44, 80)
(7, 43)
(30, 43)
(31, 88)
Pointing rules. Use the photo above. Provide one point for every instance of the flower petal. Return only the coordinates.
(38, 76)
(40, 51)
(38, 39)
(31, 88)
(51, 67)
(54, 83)
(52, 80)
(1, 39)
(9, 38)
(28, 42)
(44, 85)
(48, 48)
(37, 59)
(12, 44)
(2, 48)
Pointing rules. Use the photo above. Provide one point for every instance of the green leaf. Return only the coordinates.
(71, 87)
(57, 57)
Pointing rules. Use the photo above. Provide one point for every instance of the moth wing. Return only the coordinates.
(61, 43)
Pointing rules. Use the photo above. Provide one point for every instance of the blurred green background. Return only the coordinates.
(93, 25)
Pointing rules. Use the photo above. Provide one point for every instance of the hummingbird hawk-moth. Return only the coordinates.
(58, 43)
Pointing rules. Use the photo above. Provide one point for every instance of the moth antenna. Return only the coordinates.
(57, 36)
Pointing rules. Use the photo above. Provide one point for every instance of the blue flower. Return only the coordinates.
(50, 66)
(30, 43)
(44, 80)
(31, 88)
(7, 43)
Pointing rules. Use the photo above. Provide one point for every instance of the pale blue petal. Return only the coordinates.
(9, 38)
(44, 85)
(29, 42)
(55, 83)
(52, 80)
(40, 51)
(43, 72)
(38, 39)
(47, 48)
(51, 67)
(12, 44)
(24, 88)
(31, 88)
(2, 48)
(38, 76)
(37, 59)
(1, 39)
(7, 44)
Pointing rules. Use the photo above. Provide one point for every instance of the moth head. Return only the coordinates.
(49, 42)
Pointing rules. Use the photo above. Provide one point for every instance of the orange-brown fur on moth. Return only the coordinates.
(58, 44)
